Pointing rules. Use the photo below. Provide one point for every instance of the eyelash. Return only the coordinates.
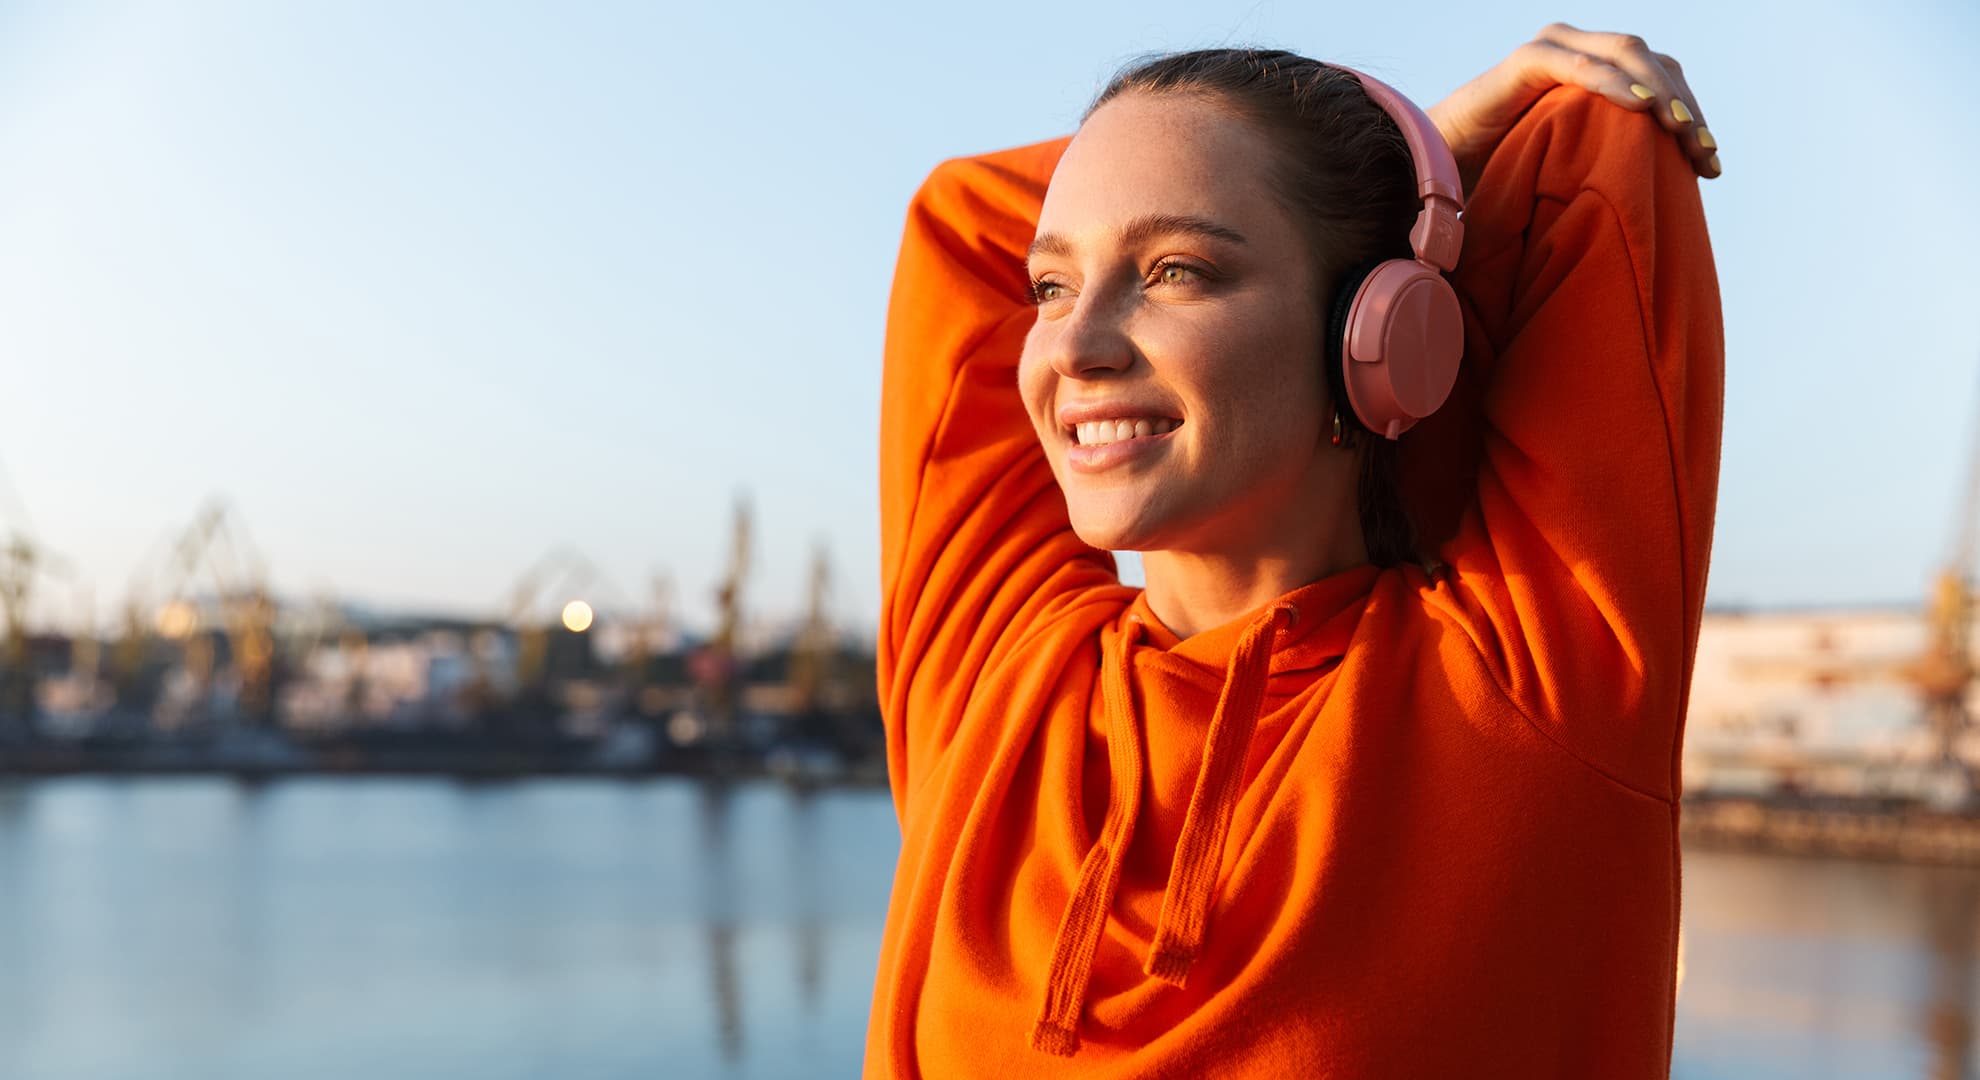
(1154, 274)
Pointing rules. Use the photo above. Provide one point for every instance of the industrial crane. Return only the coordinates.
(714, 664)
(324, 625)
(216, 544)
(649, 638)
(22, 560)
(565, 574)
(1944, 675)
(811, 655)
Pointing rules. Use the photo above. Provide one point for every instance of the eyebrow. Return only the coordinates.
(1140, 231)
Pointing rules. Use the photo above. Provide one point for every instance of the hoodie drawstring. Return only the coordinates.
(1056, 1031)
(1199, 851)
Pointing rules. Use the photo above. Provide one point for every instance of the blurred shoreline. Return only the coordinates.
(624, 751)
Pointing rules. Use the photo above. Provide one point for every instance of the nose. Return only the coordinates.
(1091, 340)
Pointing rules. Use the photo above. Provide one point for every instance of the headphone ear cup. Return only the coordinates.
(1403, 339)
(1336, 359)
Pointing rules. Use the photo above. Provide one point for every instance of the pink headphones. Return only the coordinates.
(1403, 336)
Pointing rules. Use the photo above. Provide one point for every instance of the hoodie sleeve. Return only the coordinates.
(1592, 305)
(976, 545)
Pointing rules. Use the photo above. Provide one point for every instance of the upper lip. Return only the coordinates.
(1071, 416)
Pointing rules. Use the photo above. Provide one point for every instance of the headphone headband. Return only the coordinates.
(1401, 332)
(1438, 234)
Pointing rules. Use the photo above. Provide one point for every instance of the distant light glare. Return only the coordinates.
(177, 619)
(577, 616)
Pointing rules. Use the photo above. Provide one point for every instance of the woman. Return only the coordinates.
(1332, 796)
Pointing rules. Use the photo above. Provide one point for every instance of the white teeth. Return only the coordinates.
(1102, 432)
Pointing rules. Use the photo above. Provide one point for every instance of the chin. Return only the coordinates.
(1116, 524)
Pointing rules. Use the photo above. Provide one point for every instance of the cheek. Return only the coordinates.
(1288, 358)
(1038, 387)
(1034, 382)
(1249, 373)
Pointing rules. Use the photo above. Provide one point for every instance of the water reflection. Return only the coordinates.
(194, 929)
(1952, 915)
(809, 928)
(721, 903)
(317, 929)
(1799, 967)
(718, 907)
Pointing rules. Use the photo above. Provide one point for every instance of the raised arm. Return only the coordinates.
(1593, 320)
(975, 542)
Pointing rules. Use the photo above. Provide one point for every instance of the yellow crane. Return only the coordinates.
(322, 626)
(135, 661)
(567, 576)
(812, 652)
(22, 560)
(215, 544)
(715, 664)
(728, 595)
(1944, 675)
(564, 574)
(649, 637)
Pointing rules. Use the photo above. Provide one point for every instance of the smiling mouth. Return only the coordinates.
(1102, 432)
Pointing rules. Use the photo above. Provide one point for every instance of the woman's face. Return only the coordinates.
(1174, 371)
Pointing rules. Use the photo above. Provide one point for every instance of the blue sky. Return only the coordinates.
(426, 289)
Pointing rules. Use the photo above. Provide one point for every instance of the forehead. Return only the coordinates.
(1175, 154)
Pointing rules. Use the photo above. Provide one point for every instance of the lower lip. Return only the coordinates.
(1113, 455)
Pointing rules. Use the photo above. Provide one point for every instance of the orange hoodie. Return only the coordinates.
(1393, 824)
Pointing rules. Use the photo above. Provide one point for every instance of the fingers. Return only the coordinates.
(1652, 83)
(1703, 146)
(1560, 64)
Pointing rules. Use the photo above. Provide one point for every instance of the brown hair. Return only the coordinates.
(1346, 174)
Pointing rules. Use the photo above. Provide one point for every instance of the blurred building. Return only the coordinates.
(1815, 703)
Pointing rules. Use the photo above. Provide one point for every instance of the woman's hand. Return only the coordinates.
(1619, 67)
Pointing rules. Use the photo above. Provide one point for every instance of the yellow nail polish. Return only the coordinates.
(1706, 140)
(1713, 161)
(1642, 91)
(1678, 110)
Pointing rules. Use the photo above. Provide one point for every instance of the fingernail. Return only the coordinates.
(1706, 140)
(1642, 91)
(1713, 161)
(1678, 110)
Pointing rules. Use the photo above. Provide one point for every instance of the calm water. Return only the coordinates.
(335, 928)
